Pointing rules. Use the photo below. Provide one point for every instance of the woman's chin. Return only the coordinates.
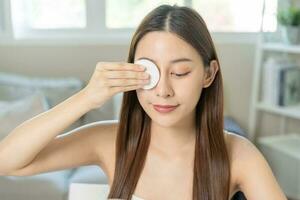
(164, 120)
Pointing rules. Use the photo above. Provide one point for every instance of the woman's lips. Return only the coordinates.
(164, 108)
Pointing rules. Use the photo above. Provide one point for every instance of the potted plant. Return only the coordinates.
(289, 18)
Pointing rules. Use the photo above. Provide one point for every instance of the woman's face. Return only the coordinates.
(171, 89)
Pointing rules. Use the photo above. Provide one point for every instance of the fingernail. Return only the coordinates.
(142, 67)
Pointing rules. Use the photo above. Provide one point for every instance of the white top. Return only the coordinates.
(79, 191)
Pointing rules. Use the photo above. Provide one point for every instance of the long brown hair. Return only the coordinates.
(211, 163)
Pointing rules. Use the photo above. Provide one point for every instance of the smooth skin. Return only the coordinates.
(170, 154)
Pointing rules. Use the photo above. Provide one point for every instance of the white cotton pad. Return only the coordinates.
(151, 69)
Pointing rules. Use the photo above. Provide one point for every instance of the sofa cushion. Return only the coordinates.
(46, 186)
(56, 90)
(105, 112)
(13, 113)
(232, 126)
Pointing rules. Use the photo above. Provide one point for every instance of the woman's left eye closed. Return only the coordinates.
(181, 74)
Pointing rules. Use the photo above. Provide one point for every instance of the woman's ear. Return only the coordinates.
(210, 73)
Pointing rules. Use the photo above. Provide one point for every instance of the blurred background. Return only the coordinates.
(49, 49)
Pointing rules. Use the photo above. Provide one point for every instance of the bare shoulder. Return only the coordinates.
(251, 171)
(235, 144)
(232, 140)
(104, 136)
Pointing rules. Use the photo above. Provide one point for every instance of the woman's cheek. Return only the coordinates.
(142, 98)
(191, 88)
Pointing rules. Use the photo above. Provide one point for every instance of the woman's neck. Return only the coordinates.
(170, 140)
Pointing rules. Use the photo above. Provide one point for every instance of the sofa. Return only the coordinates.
(22, 97)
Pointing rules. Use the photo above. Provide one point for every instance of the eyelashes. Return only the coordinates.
(179, 75)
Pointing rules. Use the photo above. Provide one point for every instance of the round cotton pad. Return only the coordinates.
(151, 69)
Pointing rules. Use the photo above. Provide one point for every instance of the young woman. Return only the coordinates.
(178, 155)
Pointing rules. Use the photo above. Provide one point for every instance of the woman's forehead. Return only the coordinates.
(162, 44)
(162, 40)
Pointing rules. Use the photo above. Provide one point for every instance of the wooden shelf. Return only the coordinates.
(288, 111)
(281, 47)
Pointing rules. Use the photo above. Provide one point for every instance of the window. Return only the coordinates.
(128, 14)
(1, 17)
(54, 14)
(37, 17)
(230, 15)
(115, 20)
(270, 19)
(220, 15)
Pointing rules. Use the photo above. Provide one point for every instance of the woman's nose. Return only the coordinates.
(164, 87)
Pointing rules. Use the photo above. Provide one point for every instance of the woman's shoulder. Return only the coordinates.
(238, 146)
(234, 143)
(251, 170)
(239, 150)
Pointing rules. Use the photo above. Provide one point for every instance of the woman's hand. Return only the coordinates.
(110, 78)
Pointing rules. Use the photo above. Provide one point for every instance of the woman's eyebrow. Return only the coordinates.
(172, 61)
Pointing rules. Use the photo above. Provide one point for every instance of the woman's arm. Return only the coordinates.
(32, 147)
(23, 144)
(255, 177)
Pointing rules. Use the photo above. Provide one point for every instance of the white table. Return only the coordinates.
(82, 191)
(283, 155)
